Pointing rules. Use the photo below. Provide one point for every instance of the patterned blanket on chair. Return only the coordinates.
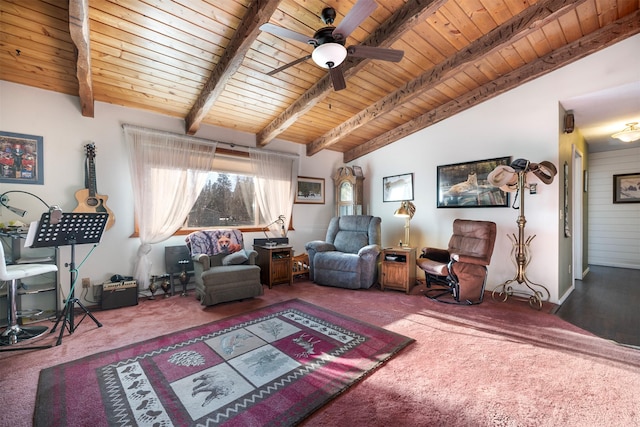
(213, 242)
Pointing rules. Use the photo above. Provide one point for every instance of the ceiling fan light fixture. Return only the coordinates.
(630, 133)
(329, 55)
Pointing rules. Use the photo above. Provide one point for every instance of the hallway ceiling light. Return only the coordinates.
(630, 133)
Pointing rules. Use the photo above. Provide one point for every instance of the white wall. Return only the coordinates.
(614, 229)
(520, 123)
(57, 118)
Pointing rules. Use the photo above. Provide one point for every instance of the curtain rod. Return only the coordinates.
(207, 141)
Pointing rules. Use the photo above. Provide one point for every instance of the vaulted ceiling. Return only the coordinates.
(207, 61)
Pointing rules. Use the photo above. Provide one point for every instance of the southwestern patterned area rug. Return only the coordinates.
(270, 367)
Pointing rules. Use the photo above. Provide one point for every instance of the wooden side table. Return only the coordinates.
(398, 268)
(275, 264)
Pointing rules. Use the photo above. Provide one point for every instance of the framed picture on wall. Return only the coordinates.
(21, 158)
(465, 185)
(397, 188)
(626, 188)
(309, 190)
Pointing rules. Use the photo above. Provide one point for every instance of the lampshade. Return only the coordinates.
(329, 55)
(630, 133)
(406, 210)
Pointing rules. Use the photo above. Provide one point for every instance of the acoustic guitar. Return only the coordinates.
(89, 201)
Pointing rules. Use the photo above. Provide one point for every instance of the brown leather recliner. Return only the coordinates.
(460, 271)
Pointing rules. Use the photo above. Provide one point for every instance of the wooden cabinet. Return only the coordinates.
(398, 269)
(275, 264)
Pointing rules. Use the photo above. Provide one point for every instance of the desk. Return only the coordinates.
(275, 264)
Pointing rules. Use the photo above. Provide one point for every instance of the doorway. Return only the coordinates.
(577, 217)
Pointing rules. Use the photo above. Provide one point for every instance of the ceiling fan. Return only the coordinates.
(328, 42)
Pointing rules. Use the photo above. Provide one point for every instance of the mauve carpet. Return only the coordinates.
(493, 364)
(271, 367)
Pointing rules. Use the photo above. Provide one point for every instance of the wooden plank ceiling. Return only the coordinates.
(206, 61)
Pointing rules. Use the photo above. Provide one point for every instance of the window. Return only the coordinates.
(228, 198)
(225, 201)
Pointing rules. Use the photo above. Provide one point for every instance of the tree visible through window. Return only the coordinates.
(227, 200)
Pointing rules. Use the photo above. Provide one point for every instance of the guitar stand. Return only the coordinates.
(72, 229)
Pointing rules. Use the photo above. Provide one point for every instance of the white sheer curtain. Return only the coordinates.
(168, 173)
(276, 180)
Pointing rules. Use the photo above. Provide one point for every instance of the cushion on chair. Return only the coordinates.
(235, 258)
(473, 238)
(430, 266)
(350, 241)
(338, 261)
(228, 273)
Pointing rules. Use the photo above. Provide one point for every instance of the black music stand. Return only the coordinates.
(72, 229)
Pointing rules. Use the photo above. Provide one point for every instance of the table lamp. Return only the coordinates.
(406, 211)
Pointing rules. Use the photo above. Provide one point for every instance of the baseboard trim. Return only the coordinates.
(565, 296)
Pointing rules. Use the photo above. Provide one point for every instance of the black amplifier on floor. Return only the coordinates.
(119, 294)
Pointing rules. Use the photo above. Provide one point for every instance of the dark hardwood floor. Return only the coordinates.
(606, 303)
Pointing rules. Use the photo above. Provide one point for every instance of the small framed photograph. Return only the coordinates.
(465, 185)
(397, 188)
(21, 158)
(626, 188)
(309, 190)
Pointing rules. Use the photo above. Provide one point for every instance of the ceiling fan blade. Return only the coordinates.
(290, 64)
(373, 52)
(337, 78)
(283, 32)
(360, 11)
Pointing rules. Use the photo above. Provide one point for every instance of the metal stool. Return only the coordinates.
(15, 333)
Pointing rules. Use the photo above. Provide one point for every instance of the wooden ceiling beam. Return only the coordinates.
(258, 13)
(515, 28)
(384, 36)
(591, 43)
(79, 31)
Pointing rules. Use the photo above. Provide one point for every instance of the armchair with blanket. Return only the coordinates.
(348, 257)
(224, 269)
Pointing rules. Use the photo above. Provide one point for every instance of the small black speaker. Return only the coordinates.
(119, 294)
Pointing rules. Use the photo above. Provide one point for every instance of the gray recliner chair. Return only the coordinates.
(348, 257)
(224, 269)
